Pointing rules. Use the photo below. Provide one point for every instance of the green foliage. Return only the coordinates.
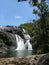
(34, 2)
(29, 27)
(35, 11)
(41, 31)
(41, 39)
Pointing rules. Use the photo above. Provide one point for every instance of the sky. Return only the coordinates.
(15, 13)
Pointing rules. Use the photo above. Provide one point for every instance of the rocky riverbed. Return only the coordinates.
(41, 59)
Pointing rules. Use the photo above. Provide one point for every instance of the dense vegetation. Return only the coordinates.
(41, 27)
(29, 27)
(35, 32)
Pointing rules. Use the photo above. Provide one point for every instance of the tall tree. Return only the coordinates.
(42, 11)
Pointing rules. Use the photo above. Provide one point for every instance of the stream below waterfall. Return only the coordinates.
(18, 53)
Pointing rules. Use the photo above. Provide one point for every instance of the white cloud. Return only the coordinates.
(18, 17)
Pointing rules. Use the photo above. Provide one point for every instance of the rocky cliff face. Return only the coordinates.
(7, 34)
(11, 29)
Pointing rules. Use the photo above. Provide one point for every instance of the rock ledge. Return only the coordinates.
(42, 59)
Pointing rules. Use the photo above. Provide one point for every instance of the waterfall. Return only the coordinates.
(26, 35)
(27, 38)
(28, 45)
(21, 45)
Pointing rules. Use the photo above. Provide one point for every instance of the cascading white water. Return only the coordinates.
(27, 37)
(20, 42)
(28, 45)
